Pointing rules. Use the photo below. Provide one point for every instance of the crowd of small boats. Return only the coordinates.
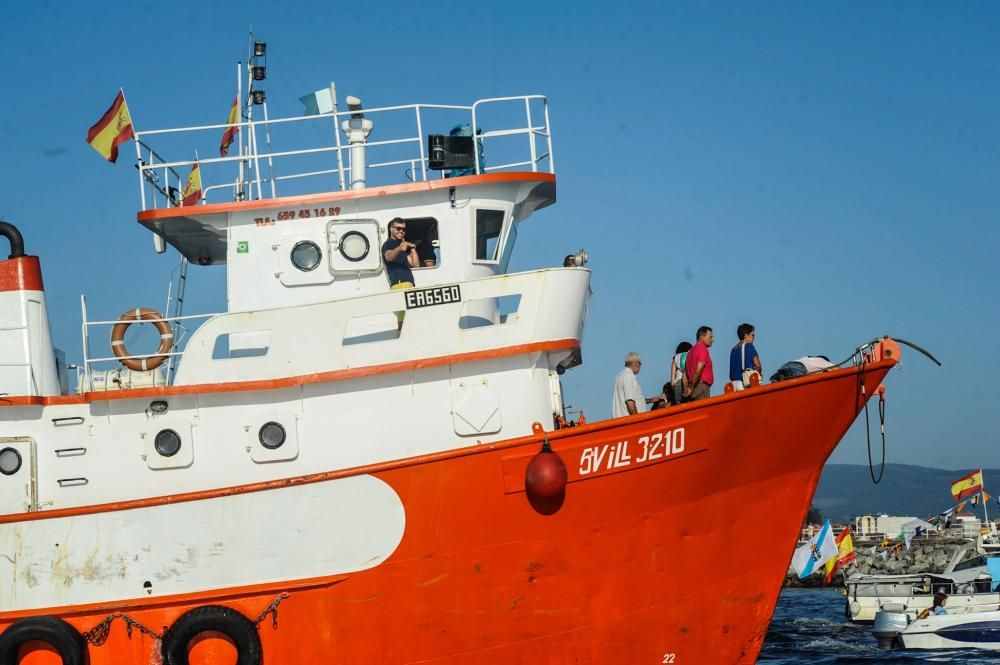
(894, 605)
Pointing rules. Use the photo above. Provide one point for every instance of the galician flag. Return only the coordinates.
(967, 485)
(810, 558)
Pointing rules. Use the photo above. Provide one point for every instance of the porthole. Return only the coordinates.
(354, 246)
(272, 435)
(10, 461)
(167, 442)
(306, 255)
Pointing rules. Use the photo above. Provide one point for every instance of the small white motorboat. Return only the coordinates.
(967, 583)
(980, 630)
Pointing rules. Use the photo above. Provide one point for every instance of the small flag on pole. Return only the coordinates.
(960, 506)
(232, 130)
(810, 558)
(967, 485)
(113, 129)
(192, 188)
(845, 555)
(318, 102)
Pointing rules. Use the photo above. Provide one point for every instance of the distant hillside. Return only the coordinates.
(846, 491)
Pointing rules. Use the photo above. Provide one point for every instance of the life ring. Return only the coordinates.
(211, 618)
(118, 339)
(62, 637)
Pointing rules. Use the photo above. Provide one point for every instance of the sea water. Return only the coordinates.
(809, 627)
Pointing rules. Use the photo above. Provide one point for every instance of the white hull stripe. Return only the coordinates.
(296, 532)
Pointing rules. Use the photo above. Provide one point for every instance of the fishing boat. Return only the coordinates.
(333, 471)
(938, 631)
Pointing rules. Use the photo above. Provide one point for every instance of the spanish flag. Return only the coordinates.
(113, 129)
(967, 485)
(229, 135)
(845, 555)
(192, 188)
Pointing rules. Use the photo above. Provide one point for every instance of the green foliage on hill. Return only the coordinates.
(814, 516)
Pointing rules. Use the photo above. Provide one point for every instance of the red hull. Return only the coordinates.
(648, 562)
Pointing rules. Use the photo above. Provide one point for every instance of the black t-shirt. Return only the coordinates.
(399, 268)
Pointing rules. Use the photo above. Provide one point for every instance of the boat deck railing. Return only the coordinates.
(507, 311)
(512, 133)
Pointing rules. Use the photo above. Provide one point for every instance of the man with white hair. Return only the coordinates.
(627, 399)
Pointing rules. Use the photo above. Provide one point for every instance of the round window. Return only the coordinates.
(10, 461)
(167, 442)
(354, 246)
(306, 255)
(272, 435)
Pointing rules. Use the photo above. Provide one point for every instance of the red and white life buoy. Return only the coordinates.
(118, 339)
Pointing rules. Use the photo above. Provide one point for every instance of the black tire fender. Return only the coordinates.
(55, 632)
(211, 618)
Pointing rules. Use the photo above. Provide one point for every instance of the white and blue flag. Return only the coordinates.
(318, 102)
(811, 557)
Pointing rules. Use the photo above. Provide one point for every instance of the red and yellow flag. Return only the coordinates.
(113, 129)
(192, 188)
(845, 555)
(232, 130)
(967, 485)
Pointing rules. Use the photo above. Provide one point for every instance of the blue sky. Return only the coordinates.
(827, 172)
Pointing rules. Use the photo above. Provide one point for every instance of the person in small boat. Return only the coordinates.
(400, 256)
(743, 357)
(627, 399)
(677, 372)
(698, 368)
(940, 600)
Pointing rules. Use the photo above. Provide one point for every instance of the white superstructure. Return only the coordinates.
(316, 367)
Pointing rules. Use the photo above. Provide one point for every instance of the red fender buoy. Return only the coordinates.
(545, 477)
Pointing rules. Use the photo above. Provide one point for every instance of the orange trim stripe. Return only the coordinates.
(423, 186)
(228, 594)
(292, 381)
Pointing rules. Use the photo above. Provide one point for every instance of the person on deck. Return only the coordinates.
(940, 600)
(743, 356)
(677, 365)
(400, 256)
(627, 399)
(698, 370)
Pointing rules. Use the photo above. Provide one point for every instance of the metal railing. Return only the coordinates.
(90, 366)
(161, 181)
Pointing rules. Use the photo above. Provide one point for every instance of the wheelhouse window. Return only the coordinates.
(423, 232)
(489, 224)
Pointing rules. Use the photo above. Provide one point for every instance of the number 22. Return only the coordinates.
(667, 658)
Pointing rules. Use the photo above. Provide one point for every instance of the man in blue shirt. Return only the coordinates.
(743, 356)
(400, 255)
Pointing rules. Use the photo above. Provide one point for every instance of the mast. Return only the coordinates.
(986, 513)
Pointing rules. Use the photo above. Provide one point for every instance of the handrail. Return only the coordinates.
(158, 175)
